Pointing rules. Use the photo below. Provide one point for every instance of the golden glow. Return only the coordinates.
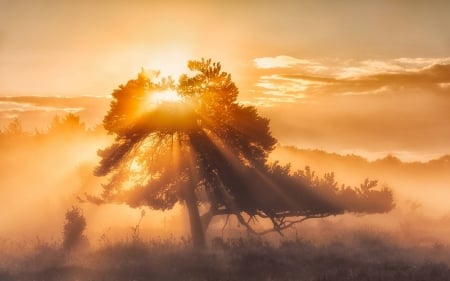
(169, 60)
(322, 90)
(154, 100)
(135, 167)
(168, 96)
(278, 61)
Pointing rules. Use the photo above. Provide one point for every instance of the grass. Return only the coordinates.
(363, 257)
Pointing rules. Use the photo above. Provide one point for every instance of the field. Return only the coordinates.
(362, 256)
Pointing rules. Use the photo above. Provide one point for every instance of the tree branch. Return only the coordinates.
(277, 226)
(225, 224)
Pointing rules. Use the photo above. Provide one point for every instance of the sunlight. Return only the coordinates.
(135, 167)
(168, 96)
(156, 99)
(168, 59)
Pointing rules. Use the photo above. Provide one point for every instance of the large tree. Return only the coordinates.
(190, 141)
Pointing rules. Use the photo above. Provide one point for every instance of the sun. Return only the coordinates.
(168, 96)
(161, 100)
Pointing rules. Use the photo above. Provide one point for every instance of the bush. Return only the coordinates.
(74, 227)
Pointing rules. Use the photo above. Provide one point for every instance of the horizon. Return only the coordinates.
(36, 112)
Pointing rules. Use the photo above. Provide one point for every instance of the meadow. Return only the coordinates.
(362, 256)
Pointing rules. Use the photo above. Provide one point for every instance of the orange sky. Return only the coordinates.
(344, 76)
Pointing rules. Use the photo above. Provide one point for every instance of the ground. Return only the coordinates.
(363, 257)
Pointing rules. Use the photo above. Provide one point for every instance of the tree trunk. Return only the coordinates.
(197, 231)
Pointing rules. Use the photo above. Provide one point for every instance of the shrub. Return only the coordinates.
(74, 227)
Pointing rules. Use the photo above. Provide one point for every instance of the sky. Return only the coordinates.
(365, 77)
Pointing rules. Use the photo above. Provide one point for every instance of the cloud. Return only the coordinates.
(368, 105)
(301, 78)
(37, 111)
(444, 85)
(420, 63)
(429, 80)
(22, 107)
(285, 88)
(279, 62)
(344, 68)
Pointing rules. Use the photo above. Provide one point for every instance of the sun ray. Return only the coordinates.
(237, 164)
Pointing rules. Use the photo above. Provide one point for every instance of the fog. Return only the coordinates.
(44, 174)
(421, 192)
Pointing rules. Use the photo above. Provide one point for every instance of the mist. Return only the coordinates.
(44, 173)
(422, 213)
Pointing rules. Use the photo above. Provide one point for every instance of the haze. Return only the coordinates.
(361, 88)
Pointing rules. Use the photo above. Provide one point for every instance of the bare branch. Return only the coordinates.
(225, 224)
(278, 227)
(244, 223)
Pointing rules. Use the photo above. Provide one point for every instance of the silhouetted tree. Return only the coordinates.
(74, 227)
(69, 124)
(192, 142)
(14, 128)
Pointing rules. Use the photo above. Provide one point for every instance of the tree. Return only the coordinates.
(74, 227)
(192, 142)
(14, 128)
(68, 124)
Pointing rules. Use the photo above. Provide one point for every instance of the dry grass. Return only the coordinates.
(365, 256)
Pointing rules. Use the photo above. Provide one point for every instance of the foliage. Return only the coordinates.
(74, 227)
(14, 128)
(69, 124)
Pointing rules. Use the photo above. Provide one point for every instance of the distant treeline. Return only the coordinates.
(313, 156)
(424, 183)
(69, 124)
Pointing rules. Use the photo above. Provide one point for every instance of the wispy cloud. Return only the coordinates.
(285, 88)
(373, 105)
(292, 79)
(348, 67)
(23, 107)
(279, 62)
(37, 111)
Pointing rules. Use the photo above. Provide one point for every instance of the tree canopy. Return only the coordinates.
(191, 141)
